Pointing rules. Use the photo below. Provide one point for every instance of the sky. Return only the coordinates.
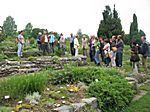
(67, 16)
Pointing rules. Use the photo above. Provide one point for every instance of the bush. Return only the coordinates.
(113, 93)
(88, 74)
(21, 85)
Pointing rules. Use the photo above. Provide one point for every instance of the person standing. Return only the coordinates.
(62, 43)
(97, 49)
(39, 45)
(52, 40)
(84, 45)
(92, 48)
(113, 49)
(106, 49)
(44, 41)
(76, 45)
(119, 53)
(101, 48)
(144, 51)
(134, 59)
(72, 51)
(20, 44)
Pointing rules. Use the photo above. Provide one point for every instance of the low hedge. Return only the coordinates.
(113, 93)
(111, 89)
(87, 74)
(20, 85)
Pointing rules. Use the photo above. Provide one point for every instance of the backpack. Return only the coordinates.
(17, 40)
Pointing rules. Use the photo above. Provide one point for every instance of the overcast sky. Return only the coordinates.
(67, 16)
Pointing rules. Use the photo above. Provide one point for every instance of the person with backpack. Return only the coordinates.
(144, 50)
(20, 44)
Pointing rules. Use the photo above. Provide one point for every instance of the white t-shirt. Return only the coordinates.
(76, 43)
(107, 48)
(46, 38)
(21, 38)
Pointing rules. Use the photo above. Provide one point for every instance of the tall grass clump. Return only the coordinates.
(20, 85)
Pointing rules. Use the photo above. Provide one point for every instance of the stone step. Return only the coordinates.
(29, 70)
(28, 65)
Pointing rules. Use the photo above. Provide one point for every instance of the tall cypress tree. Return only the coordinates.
(110, 25)
(134, 32)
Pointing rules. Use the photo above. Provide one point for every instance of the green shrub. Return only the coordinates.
(20, 85)
(2, 56)
(88, 74)
(112, 92)
(32, 41)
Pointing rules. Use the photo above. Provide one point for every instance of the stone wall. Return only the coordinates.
(33, 64)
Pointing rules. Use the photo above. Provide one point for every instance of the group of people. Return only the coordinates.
(110, 50)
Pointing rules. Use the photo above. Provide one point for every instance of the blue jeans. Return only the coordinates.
(107, 61)
(96, 57)
(119, 59)
(20, 49)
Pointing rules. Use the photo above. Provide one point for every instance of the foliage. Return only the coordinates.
(142, 105)
(18, 86)
(32, 41)
(110, 25)
(84, 74)
(9, 26)
(134, 31)
(2, 56)
(35, 32)
(28, 30)
(79, 32)
(113, 93)
(5, 109)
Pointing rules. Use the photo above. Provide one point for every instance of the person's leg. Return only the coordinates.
(144, 62)
(119, 59)
(76, 52)
(19, 50)
(91, 55)
(96, 57)
(53, 47)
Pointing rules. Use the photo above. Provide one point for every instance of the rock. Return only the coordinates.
(131, 79)
(78, 106)
(25, 110)
(64, 108)
(139, 95)
(82, 85)
(90, 101)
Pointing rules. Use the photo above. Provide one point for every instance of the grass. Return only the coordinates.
(20, 85)
(143, 104)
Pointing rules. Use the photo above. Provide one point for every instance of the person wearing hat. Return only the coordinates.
(76, 45)
(39, 41)
(84, 45)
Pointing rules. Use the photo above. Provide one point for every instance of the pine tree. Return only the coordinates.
(9, 27)
(134, 32)
(110, 25)
(28, 30)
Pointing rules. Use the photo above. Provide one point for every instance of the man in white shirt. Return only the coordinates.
(76, 45)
